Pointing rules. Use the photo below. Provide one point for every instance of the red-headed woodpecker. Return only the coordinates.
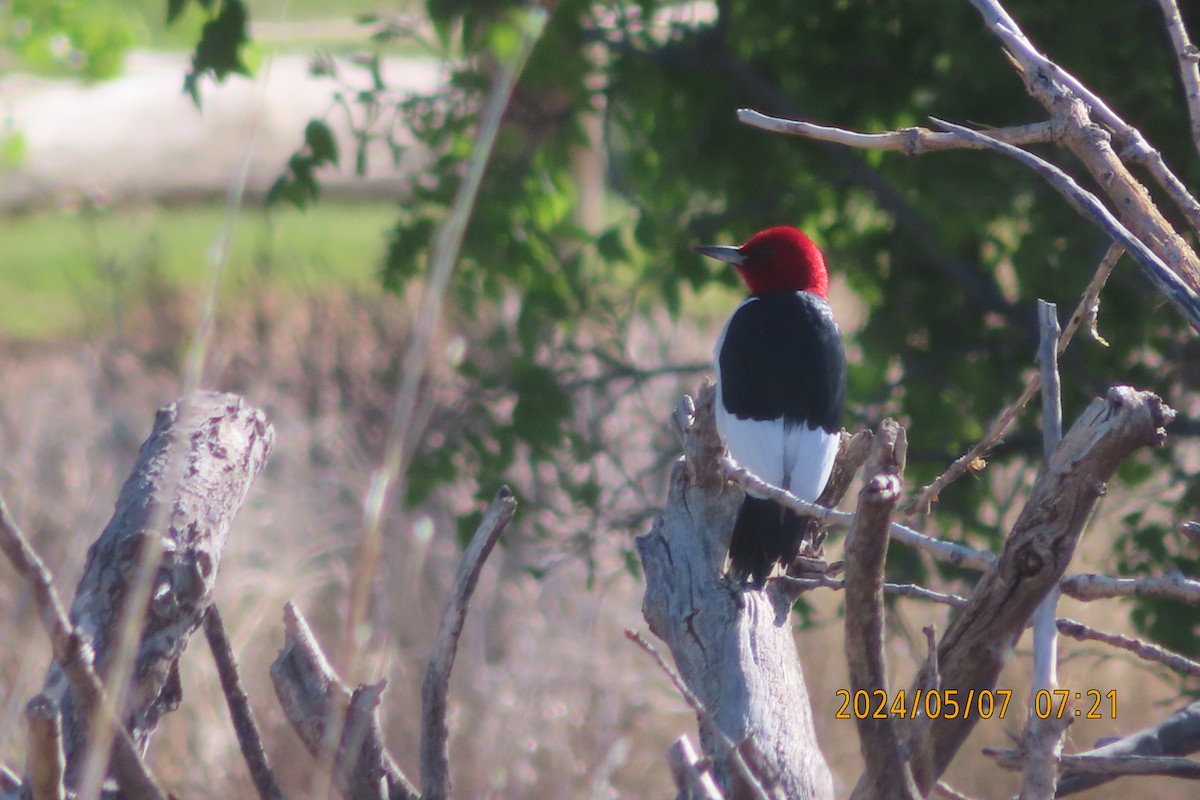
(781, 385)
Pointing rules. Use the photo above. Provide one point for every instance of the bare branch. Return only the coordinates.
(1177, 735)
(1143, 650)
(74, 658)
(45, 763)
(1133, 765)
(1036, 553)
(947, 552)
(1166, 280)
(691, 775)
(911, 141)
(316, 702)
(1043, 739)
(1090, 586)
(973, 459)
(1060, 92)
(909, 590)
(244, 725)
(886, 772)
(1186, 56)
(435, 761)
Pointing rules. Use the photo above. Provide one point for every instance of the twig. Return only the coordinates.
(1112, 766)
(403, 432)
(732, 751)
(946, 790)
(971, 460)
(909, 590)
(866, 556)
(946, 552)
(45, 762)
(1143, 650)
(1043, 738)
(1176, 735)
(244, 725)
(692, 778)
(1160, 275)
(9, 780)
(911, 141)
(75, 659)
(435, 762)
(1186, 57)
(1034, 64)
(1089, 586)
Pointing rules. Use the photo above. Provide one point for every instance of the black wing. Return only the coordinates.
(782, 357)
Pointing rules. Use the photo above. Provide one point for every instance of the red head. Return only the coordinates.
(781, 259)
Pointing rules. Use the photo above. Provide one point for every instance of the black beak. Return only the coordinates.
(722, 252)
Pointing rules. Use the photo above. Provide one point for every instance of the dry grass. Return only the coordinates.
(548, 699)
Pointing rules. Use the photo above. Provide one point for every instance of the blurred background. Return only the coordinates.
(323, 142)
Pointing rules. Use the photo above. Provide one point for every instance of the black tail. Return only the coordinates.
(765, 533)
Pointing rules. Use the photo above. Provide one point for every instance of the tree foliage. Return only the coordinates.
(947, 252)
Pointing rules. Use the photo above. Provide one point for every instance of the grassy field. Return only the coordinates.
(56, 267)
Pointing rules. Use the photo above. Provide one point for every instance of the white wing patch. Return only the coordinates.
(797, 458)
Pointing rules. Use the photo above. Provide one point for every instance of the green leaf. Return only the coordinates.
(321, 142)
(219, 51)
(541, 406)
(174, 9)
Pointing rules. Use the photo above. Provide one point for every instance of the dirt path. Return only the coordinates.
(139, 136)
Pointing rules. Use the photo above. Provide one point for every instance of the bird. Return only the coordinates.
(781, 389)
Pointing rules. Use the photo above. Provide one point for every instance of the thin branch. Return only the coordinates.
(1043, 738)
(75, 659)
(404, 429)
(692, 777)
(1176, 735)
(45, 762)
(1109, 766)
(909, 590)
(1134, 765)
(9, 780)
(949, 792)
(946, 552)
(911, 141)
(1168, 283)
(1174, 586)
(1033, 64)
(244, 725)
(435, 761)
(1143, 650)
(973, 459)
(1186, 56)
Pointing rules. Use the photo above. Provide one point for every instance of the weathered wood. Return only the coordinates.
(734, 648)
(216, 445)
(1035, 556)
(319, 707)
(886, 773)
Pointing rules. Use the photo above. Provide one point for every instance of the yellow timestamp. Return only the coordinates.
(932, 703)
(982, 703)
(1091, 704)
